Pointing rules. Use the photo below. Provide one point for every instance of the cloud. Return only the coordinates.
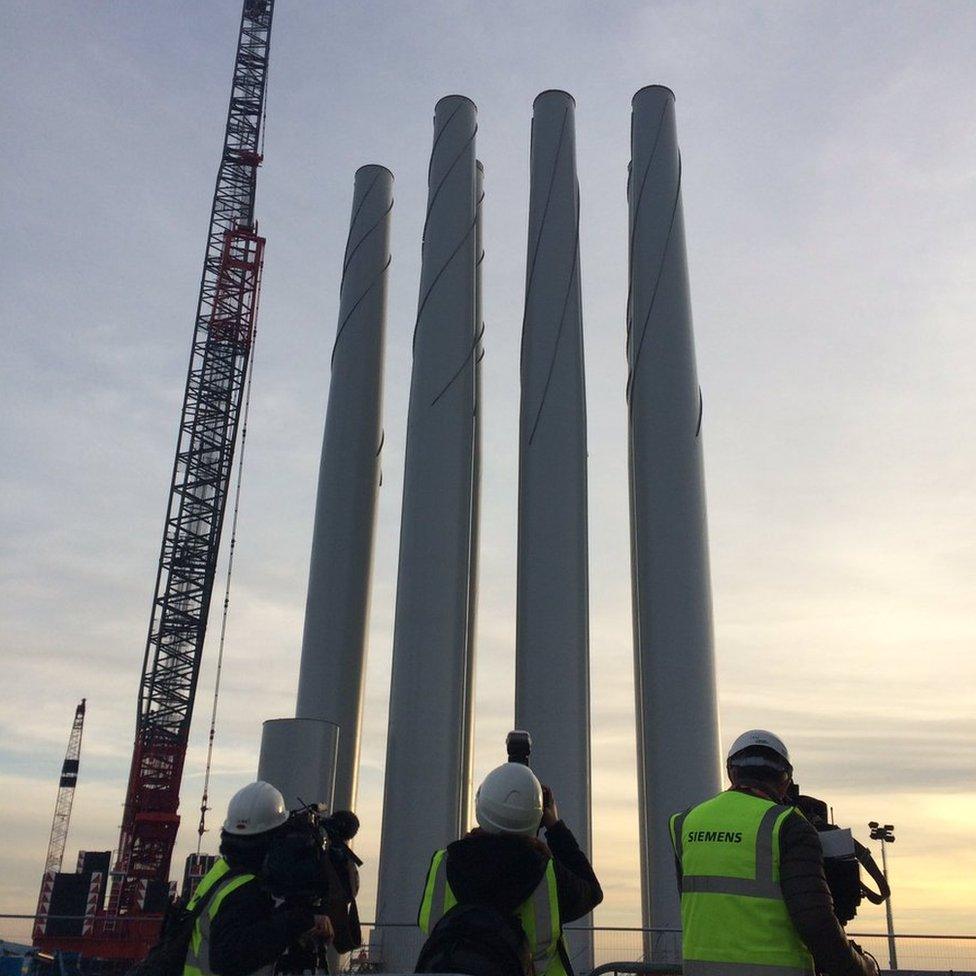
(830, 250)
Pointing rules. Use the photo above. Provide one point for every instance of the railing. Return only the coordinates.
(944, 953)
(394, 948)
(637, 969)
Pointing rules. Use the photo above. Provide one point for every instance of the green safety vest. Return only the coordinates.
(539, 914)
(733, 917)
(198, 953)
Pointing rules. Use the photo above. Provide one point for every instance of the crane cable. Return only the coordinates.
(202, 827)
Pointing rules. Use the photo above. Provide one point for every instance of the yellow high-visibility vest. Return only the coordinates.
(733, 917)
(539, 914)
(198, 954)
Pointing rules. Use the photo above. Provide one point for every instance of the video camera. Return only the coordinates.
(296, 865)
(844, 856)
(311, 861)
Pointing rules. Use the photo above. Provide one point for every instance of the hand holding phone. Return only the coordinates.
(550, 812)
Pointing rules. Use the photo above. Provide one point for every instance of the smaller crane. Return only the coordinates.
(62, 814)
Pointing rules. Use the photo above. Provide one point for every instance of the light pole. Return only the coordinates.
(886, 834)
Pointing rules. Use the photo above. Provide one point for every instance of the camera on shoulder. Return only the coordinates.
(310, 860)
(296, 863)
(844, 856)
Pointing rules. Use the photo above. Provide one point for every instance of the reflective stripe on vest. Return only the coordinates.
(539, 914)
(734, 918)
(198, 953)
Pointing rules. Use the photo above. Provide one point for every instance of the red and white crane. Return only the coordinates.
(212, 406)
(62, 816)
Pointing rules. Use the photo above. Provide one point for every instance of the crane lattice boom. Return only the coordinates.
(66, 793)
(62, 810)
(201, 476)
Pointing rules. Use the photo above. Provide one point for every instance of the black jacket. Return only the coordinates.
(250, 932)
(503, 871)
(808, 900)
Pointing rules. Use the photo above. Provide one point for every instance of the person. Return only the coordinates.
(503, 866)
(340, 870)
(341, 828)
(751, 877)
(242, 928)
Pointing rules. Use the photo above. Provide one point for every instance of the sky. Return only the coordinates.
(829, 180)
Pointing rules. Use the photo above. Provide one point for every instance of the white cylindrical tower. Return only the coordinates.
(427, 792)
(677, 716)
(298, 756)
(475, 492)
(552, 677)
(330, 686)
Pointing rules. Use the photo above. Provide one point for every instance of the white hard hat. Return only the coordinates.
(509, 801)
(255, 809)
(759, 738)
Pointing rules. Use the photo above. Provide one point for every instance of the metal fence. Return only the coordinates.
(945, 953)
(394, 948)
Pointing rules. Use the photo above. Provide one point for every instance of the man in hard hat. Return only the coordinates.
(754, 896)
(503, 865)
(241, 930)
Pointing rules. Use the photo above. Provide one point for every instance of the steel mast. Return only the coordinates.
(427, 793)
(219, 358)
(674, 662)
(552, 631)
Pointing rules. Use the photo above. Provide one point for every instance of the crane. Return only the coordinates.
(62, 813)
(225, 321)
(219, 362)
